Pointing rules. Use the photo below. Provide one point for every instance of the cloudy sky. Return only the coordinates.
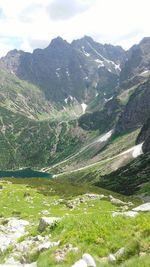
(28, 24)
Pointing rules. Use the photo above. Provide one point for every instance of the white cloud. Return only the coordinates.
(34, 22)
(62, 10)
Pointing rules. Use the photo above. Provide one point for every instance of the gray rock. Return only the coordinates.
(143, 207)
(80, 263)
(89, 260)
(111, 258)
(47, 221)
(120, 252)
(47, 245)
(116, 201)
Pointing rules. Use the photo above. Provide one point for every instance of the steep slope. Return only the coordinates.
(89, 226)
(69, 72)
(137, 109)
(135, 176)
(129, 179)
(138, 62)
(104, 119)
(144, 136)
(23, 98)
(25, 142)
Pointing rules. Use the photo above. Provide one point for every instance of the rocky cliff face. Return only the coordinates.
(103, 120)
(138, 61)
(144, 136)
(78, 71)
(137, 110)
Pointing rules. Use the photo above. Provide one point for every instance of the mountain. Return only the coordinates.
(137, 62)
(26, 142)
(137, 110)
(45, 93)
(144, 136)
(69, 72)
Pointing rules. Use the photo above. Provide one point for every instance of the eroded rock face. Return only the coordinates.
(47, 221)
(62, 69)
(144, 136)
(10, 232)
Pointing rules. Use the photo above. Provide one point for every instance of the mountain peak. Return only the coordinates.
(145, 40)
(58, 41)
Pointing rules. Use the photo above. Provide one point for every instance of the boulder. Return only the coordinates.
(47, 221)
(119, 253)
(111, 258)
(143, 207)
(47, 245)
(80, 263)
(89, 260)
(5, 242)
(117, 201)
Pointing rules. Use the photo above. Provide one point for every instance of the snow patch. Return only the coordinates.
(108, 99)
(145, 71)
(85, 53)
(117, 67)
(85, 78)
(84, 106)
(137, 151)
(68, 74)
(109, 70)
(105, 137)
(57, 74)
(101, 63)
(67, 98)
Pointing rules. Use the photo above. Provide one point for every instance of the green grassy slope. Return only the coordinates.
(25, 142)
(89, 226)
(107, 160)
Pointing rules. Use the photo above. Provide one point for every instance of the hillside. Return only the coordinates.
(69, 72)
(25, 142)
(78, 220)
(75, 144)
(44, 95)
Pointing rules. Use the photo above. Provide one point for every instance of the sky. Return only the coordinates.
(30, 24)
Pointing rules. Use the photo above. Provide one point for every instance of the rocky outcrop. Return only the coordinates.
(47, 221)
(104, 119)
(143, 207)
(137, 110)
(86, 261)
(64, 70)
(138, 60)
(144, 136)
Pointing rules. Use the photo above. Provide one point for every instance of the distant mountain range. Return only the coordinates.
(54, 100)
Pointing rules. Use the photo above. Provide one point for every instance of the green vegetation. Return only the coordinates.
(29, 143)
(89, 226)
(130, 179)
(125, 94)
(108, 160)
